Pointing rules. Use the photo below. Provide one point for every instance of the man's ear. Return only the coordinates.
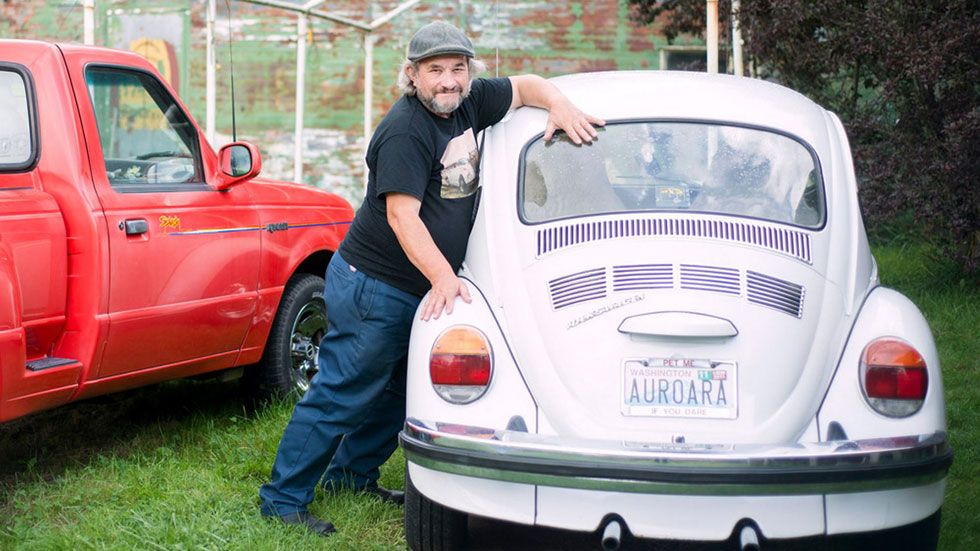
(410, 71)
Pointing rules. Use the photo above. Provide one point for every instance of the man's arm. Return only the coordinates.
(562, 114)
(416, 241)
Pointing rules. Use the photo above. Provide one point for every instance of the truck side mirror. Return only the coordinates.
(237, 163)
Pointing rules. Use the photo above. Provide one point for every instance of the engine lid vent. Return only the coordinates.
(633, 277)
(578, 287)
(775, 293)
(710, 278)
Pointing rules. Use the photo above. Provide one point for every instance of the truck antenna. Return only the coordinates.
(231, 65)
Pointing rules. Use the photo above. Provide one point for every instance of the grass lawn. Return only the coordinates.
(178, 466)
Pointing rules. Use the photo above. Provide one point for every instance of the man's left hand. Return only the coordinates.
(580, 127)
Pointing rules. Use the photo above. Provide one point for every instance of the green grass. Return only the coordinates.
(166, 473)
(951, 304)
(178, 466)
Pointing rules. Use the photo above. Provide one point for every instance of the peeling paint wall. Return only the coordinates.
(544, 37)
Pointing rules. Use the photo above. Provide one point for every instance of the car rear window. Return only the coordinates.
(16, 140)
(674, 166)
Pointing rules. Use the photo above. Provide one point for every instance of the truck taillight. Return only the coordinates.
(894, 377)
(460, 364)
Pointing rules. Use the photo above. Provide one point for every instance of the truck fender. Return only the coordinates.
(10, 306)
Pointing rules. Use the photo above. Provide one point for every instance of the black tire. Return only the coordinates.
(430, 526)
(290, 357)
(918, 536)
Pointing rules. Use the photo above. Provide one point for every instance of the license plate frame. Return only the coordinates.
(679, 388)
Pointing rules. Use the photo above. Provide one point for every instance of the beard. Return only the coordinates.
(443, 107)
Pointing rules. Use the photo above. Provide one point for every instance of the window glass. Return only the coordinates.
(146, 138)
(674, 166)
(15, 128)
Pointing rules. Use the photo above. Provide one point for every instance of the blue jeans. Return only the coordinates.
(347, 424)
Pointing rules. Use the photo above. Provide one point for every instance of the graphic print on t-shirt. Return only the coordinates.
(459, 165)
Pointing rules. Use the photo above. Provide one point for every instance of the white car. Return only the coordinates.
(676, 332)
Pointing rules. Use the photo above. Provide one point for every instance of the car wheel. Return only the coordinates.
(430, 526)
(289, 361)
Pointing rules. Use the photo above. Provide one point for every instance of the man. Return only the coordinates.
(408, 238)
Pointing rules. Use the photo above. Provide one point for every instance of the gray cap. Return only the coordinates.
(439, 38)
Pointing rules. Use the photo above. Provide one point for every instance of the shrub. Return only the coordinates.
(904, 78)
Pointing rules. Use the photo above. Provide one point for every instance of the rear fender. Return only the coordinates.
(508, 395)
(12, 344)
(885, 313)
(10, 306)
(507, 399)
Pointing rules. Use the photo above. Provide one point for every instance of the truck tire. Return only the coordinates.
(430, 526)
(289, 361)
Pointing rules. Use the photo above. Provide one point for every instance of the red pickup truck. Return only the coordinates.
(131, 252)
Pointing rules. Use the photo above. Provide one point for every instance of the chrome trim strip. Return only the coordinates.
(679, 469)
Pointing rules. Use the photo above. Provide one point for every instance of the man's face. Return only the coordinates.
(441, 82)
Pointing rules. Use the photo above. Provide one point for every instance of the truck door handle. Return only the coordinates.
(135, 226)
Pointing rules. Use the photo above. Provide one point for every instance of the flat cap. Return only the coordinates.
(439, 38)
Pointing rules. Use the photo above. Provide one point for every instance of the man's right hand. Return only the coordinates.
(443, 295)
(416, 241)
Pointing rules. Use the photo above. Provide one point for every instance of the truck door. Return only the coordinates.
(184, 258)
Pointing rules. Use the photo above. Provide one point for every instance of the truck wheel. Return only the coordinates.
(430, 526)
(289, 361)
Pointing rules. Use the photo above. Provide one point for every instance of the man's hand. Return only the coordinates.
(443, 295)
(415, 239)
(562, 113)
(565, 116)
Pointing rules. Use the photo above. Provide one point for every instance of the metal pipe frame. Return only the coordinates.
(306, 11)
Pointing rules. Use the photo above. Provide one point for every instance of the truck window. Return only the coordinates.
(16, 140)
(148, 143)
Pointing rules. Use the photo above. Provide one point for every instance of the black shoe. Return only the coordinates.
(316, 525)
(396, 497)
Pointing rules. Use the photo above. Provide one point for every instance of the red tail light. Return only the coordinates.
(894, 376)
(451, 369)
(460, 364)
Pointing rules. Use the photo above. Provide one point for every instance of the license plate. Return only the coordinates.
(669, 387)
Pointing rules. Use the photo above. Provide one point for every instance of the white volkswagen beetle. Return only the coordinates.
(676, 332)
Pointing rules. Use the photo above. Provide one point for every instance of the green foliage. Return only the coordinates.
(904, 78)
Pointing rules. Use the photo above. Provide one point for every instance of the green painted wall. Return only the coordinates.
(544, 37)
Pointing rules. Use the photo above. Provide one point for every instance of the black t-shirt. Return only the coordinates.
(435, 160)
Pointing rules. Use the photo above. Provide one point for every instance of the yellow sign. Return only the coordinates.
(162, 55)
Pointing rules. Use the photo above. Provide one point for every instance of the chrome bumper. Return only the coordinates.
(679, 469)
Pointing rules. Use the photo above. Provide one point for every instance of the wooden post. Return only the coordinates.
(712, 16)
(737, 59)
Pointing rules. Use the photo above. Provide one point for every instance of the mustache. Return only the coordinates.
(456, 89)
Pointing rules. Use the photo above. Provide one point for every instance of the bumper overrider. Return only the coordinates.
(679, 469)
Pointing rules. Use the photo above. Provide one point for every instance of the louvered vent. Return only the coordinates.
(794, 243)
(578, 287)
(710, 278)
(775, 293)
(636, 277)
